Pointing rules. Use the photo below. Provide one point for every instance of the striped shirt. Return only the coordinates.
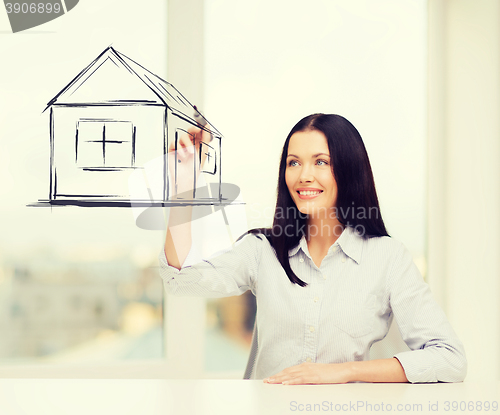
(348, 304)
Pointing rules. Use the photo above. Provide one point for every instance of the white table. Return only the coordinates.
(239, 397)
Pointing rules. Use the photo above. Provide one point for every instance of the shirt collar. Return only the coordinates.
(301, 245)
(349, 241)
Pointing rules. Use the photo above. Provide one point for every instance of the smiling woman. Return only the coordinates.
(328, 283)
(325, 184)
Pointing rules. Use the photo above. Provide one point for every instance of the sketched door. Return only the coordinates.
(208, 170)
(180, 170)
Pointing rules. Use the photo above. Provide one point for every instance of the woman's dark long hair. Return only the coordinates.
(357, 203)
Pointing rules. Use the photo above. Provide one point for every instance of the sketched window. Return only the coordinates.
(210, 165)
(105, 144)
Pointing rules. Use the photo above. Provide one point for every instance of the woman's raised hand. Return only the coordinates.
(185, 161)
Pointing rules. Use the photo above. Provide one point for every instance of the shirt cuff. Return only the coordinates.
(168, 272)
(418, 366)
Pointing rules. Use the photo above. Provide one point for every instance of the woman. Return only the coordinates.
(327, 277)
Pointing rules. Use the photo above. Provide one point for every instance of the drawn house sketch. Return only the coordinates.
(112, 119)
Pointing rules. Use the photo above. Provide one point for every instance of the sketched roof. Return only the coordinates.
(164, 93)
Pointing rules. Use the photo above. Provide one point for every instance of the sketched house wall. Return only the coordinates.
(112, 119)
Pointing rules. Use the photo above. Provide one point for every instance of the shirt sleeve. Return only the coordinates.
(436, 355)
(226, 274)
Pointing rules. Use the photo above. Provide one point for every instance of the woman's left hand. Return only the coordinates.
(316, 373)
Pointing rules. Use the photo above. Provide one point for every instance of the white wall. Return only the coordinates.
(464, 174)
(270, 63)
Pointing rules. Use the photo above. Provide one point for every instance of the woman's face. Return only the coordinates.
(309, 175)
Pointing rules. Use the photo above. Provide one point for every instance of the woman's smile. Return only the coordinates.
(308, 193)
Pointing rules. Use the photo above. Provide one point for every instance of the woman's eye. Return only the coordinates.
(322, 163)
(292, 163)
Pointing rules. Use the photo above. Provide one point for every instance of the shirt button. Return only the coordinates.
(301, 260)
(343, 259)
(308, 360)
(311, 329)
(316, 299)
(324, 276)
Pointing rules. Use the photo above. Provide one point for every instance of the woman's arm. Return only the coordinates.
(382, 370)
(230, 273)
(437, 354)
(178, 240)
